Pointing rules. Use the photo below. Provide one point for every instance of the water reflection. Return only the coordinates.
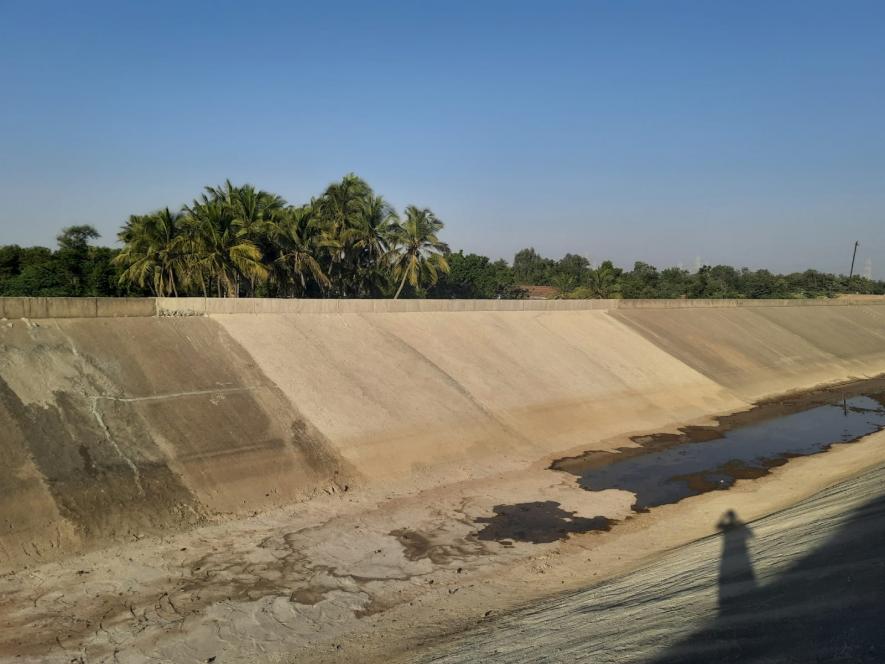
(702, 461)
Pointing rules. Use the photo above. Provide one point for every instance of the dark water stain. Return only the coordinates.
(309, 596)
(666, 468)
(539, 522)
(440, 551)
(417, 546)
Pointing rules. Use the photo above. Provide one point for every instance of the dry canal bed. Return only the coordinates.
(365, 576)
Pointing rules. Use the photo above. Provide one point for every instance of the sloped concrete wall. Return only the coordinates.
(116, 427)
(430, 397)
(760, 351)
(143, 423)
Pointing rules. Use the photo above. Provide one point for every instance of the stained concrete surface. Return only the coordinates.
(115, 428)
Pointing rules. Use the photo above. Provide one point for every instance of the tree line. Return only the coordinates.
(239, 240)
(235, 241)
(574, 277)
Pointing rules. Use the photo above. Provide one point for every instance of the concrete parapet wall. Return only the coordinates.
(212, 306)
(109, 307)
(77, 307)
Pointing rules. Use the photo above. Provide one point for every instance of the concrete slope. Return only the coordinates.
(760, 351)
(113, 428)
(437, 397)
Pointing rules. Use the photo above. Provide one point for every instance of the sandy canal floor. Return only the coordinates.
(371, 577)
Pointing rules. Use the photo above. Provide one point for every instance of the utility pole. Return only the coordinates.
(853, 256)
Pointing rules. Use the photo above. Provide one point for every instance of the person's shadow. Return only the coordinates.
(736, 576)
(824, 605)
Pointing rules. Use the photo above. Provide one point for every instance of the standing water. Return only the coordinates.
(667, 468)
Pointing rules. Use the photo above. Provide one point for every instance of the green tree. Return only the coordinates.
(218, 253)
(73, 256)
(476, 277)
(603, 281)
(340, 211)
(154, 254)
(563, 282)
(572, 268)
(529, 267)
(367, 244)
(674, 282)
(641, 282)
(253, 214)
(299, 243)
(418, 254)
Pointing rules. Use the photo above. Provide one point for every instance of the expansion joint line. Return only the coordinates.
(173, 395)
(96, 413)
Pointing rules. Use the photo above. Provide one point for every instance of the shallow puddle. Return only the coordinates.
(666, 468)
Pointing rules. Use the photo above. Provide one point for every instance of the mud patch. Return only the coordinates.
(415, 545)
(540, 522)
(309, 596)
(440, 548)
(666, 468)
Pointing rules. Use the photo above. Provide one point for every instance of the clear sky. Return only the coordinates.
(748, 133)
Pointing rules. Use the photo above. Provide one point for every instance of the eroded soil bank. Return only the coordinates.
(363, 576)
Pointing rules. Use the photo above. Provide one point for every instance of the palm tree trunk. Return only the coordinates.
(401, 284)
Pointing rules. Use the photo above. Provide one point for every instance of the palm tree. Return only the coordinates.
(153, 253)
(418, 255)
(367, 244)
(253, 213)
(603, 282)
(340, 211)
(251, 209)
(232, 239)
(563, 283)
(298, 242)
(219, 252)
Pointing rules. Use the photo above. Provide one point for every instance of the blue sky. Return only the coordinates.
(748, 133)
